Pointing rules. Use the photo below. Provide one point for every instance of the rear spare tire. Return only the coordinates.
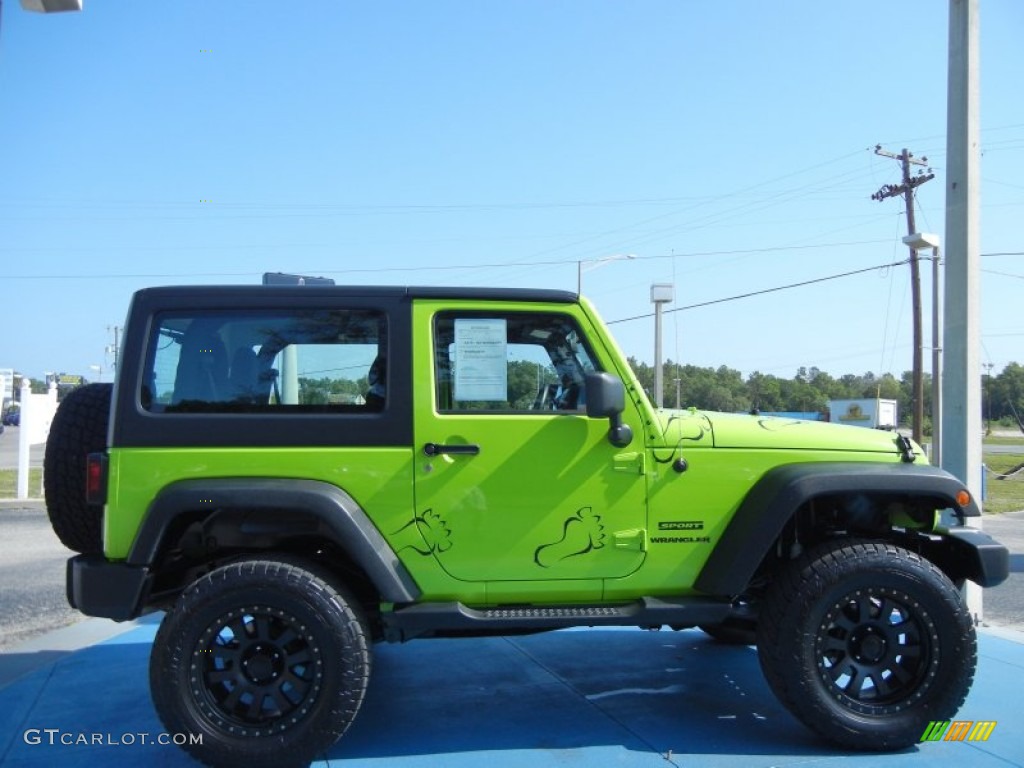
(78, 429)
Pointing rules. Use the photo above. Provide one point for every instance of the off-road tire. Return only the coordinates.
(266, 660)
(866, 643)
(79, 428)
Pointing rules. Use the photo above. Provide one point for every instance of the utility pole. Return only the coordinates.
(987, 396)
(907, 190)
(115, 348)
(961, 452)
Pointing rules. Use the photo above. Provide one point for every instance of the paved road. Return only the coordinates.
(9, 450)
(1004, 605)
(1002, 448)
(32, 561)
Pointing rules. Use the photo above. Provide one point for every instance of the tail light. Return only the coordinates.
(96, 478)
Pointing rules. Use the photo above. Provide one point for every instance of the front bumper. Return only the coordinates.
(972, 554)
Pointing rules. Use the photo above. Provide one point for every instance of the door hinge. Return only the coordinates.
(634, 539)
(631, 462)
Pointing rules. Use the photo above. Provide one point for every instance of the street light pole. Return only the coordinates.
(661, 294)
(595, 263)
(919, 241)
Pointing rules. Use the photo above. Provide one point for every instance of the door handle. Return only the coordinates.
(433, 449)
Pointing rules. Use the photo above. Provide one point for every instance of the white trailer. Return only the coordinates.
(875, 413)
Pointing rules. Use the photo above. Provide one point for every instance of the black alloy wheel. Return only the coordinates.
(875, 651)
(258, 667)
(866, 643)
(262, 663)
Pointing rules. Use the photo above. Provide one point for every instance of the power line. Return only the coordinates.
(762, 292)
(697, 200)
(431, 268)
(1003, 274)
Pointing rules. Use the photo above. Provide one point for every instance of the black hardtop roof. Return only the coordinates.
(235, 292)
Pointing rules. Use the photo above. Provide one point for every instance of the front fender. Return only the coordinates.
(777, 496)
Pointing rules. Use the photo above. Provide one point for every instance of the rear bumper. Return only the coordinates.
(97, 587)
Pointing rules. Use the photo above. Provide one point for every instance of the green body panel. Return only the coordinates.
(379, 479)
(548, 507)
(548, 510)
(755, 431)
(689, 511)
(725, 456)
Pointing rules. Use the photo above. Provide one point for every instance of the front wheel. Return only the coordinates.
(866, 643)
(263, 662)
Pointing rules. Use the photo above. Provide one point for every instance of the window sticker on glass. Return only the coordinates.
(481, 369)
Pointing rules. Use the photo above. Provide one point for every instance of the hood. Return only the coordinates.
(729, 430)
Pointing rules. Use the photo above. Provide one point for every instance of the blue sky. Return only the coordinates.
(727, 144)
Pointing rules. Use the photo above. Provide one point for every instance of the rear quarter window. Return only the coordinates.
(264, 361)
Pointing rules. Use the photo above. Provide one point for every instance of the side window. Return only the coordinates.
(512, 362)
(256, 361)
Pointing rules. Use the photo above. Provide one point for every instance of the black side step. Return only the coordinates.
(421, 619)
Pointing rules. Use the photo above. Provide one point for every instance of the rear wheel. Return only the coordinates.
(866, 643)
(79, 428)
(267, 661)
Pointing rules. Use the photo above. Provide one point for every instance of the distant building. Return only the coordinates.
(6, 386)
(876, 413)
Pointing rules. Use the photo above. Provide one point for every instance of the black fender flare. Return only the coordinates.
(268, 507)
(774, 499)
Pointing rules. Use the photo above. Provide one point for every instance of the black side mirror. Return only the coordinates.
(606, 399)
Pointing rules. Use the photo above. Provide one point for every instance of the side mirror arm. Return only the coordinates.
(620, 435)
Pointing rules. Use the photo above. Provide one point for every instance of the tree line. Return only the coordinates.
(725, 389)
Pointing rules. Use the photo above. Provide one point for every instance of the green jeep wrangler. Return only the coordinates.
(294, 473)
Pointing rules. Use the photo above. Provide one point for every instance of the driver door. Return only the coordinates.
(514, 483)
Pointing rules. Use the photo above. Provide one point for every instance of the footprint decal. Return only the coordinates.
(425, 534)
(581, 533)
